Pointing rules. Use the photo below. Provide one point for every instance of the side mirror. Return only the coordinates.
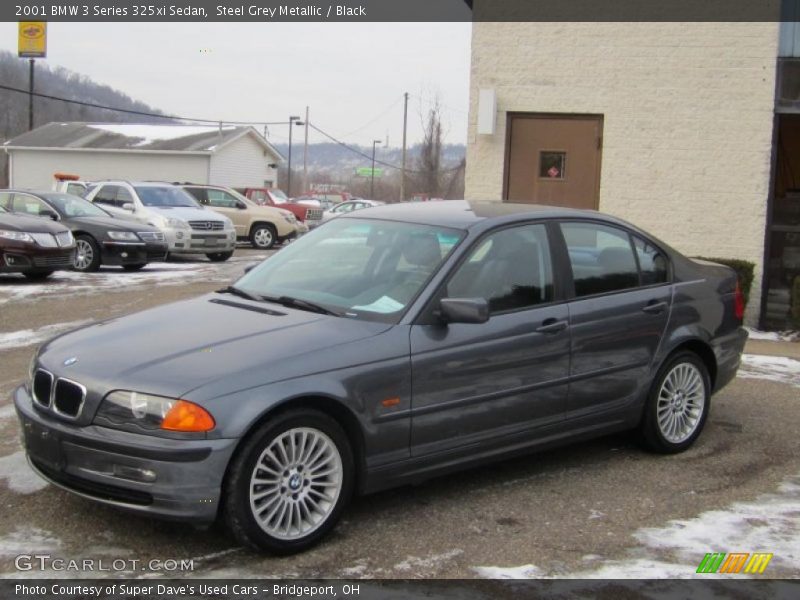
(464, 310)
(129, 206)
(49, 213)
(241, 206)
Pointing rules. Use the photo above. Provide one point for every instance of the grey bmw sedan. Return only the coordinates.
(384, 348)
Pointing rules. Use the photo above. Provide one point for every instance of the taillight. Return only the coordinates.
(738, 302)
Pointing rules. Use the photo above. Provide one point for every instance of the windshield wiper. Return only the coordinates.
(232, 289)
(301, 304)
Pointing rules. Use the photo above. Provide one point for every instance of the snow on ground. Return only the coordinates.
(773, 336)
(18, 476)
(771, 368)
(28, 337)
(771, 523)
(28, 540)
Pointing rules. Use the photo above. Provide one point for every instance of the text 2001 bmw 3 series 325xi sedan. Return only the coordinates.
(386, 347)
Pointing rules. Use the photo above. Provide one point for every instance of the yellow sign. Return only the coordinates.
(32, 39)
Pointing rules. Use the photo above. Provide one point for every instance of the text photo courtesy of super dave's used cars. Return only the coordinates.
(434, 337)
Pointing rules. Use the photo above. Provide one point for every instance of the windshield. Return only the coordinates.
(72, 206)
(165, 196)
(279, 196)
(357, 268)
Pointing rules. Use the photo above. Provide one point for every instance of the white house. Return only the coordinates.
(232, 156)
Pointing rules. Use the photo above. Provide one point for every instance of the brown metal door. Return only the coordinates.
(554, 160)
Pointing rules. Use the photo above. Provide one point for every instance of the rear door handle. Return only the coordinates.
(552, 326)
(654, 308)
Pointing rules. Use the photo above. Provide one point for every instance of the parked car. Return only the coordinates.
(314, 201)
(349, 206)
(71, 184)
(188, 227)
(311, 216)
(99, 237)
(273, 400)
(34, 247)
(262, 226)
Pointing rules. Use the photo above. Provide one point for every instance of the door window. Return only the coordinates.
(652, 262)
(511, 269)
(602, 258)
(5, 200)
(221, 199)
(107, 195)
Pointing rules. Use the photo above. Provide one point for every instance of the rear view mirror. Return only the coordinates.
(129, 207)
(464, 310)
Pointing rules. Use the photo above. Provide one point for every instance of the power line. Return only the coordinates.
(138, 112)
(371, 121)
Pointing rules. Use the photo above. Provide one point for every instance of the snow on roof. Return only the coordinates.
(149, 134)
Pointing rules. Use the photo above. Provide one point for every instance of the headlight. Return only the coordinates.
(126, 236)
(146, 413)
(17, 236)
(290, 218)
(176, 223)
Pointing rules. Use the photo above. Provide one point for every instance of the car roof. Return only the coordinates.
(464, 214)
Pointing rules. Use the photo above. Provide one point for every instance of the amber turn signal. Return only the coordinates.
(187, 416)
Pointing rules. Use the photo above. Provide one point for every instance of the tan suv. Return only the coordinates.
(263, 226)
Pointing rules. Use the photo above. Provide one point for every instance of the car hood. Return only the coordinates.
(109, 224)
(173, 349)
(16, 222)
(187, 213)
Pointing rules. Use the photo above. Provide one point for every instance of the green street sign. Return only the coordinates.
(369, 172)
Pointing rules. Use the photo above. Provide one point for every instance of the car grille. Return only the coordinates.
(151, 236)
(65, 238)
(313, 214)
(45, 240)
(207, 225)
(63, 260)
(66, 397)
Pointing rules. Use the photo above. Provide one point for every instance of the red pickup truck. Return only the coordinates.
(309, 215)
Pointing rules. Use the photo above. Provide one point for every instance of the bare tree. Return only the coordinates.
(429, 163)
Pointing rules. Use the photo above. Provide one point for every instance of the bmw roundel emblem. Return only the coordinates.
(70, 361)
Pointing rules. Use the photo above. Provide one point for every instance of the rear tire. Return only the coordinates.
(38, 275)
(678, 405)
(219, 256)
(288, 485)
(263, 236)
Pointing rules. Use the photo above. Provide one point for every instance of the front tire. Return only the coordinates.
(87, 254)
(289, 484)
(219, 256)
(678, 404)
(263, 236)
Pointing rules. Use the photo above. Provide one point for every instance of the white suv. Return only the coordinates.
(189, 228)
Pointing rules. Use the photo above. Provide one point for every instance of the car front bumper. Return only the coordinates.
(190, 241)
(24, 258)
(165, 478)
(133, 253)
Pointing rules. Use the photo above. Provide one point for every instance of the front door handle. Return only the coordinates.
(552, 326)
(654, 307)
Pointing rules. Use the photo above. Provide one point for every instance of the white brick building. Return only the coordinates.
(672, 126)
(232, 156)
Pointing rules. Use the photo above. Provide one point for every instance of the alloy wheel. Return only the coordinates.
(296, 483)
(681, 402)
(263, 237)
(84, 255)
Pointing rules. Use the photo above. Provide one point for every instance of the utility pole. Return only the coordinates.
(289, 175)
(305, 157)
(403, 169)
(372, 174)
(32, 62)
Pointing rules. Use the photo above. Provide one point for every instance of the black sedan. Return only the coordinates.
(33, 247)
(390, 345)
(99, 237)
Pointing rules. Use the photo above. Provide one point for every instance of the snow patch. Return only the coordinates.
(149, 134)
(770, 368)
(28, 337)
(773, 336)
(434, 560)
(18, 475)
(768, 524)
(28, 540)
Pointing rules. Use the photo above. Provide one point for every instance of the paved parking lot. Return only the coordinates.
(601, 509)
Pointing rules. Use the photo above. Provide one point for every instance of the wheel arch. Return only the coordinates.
(703, 350)
(324, 404)
(255, 224)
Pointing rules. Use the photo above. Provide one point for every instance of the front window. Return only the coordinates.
(165, 196)
(356, 268)
(72, 206)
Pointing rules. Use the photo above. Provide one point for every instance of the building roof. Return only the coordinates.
(134, 137)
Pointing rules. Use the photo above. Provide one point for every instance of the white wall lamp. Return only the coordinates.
(487, 111)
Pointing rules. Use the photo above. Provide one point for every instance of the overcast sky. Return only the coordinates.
(351, 75)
